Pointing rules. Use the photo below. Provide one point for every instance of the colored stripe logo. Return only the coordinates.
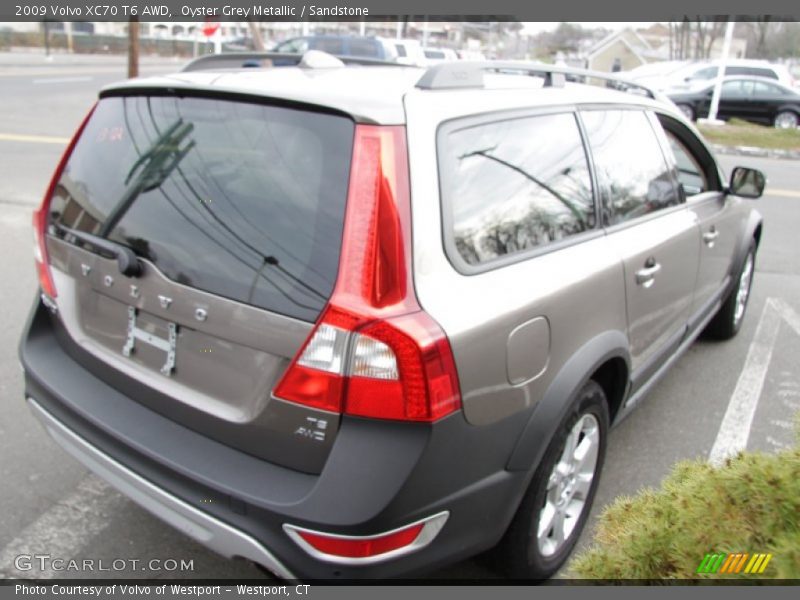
(735, 563)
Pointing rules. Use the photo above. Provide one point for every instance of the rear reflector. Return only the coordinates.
(41, 218)
(345, 549)
(374, 352)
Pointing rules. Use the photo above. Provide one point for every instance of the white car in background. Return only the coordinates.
(674, 75)
(409, 52)
(438, 55)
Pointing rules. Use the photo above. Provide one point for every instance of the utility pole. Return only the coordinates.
(46, 39)
(726, 46)
(133, 47)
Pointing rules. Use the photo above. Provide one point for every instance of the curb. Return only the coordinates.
(755, 151)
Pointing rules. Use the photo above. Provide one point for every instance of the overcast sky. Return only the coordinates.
(536, 27)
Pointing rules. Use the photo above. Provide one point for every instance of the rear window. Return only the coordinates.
(434, 54)
(239, 199)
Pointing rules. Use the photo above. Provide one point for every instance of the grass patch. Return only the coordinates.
(741, 133)
(750, 504)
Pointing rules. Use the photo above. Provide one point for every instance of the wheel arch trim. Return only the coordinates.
(561, 394)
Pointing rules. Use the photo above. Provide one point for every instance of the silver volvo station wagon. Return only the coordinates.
(356, 320)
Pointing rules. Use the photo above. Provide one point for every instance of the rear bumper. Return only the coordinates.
(378, 477)
(204, 528)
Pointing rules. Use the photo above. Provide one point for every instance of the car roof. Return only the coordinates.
(369, 94)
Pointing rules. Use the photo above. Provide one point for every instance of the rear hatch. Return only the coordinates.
(234, 210)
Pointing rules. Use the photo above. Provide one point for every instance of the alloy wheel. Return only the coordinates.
(569, 485)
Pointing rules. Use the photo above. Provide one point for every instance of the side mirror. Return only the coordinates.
(747, 183)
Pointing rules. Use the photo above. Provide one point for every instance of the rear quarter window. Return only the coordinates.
(514, 185)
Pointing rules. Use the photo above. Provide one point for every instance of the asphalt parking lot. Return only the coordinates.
(52, 505)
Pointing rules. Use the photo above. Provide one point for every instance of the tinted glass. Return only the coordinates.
(633, 175)
(690, 174)
(513, 185)
(366, 48)
(741, 88)
(767, 89)
(401, 50)
(434, 54)
(298, 46)
(329, 45)
(241, 200)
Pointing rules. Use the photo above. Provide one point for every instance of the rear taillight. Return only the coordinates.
(41, 219)
(374, 352)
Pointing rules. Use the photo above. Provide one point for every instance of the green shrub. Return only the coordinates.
(750, 504)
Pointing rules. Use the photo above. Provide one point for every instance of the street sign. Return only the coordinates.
(209, 28)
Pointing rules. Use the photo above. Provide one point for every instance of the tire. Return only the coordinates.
(687, 111)
(728, 320)
(786, 119)
(525, 552)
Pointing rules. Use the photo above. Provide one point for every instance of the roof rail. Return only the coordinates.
(469, 74)
(240, 60)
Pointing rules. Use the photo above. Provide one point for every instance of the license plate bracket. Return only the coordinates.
(167, 345)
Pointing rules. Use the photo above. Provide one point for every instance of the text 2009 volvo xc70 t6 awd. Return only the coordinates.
(381, 316)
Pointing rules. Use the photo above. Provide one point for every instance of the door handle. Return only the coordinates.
(710, 236)
(646, 276)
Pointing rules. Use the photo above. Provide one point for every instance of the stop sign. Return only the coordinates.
(209, 29)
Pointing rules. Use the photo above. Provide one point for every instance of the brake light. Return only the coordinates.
(374, 352)
(41, 217)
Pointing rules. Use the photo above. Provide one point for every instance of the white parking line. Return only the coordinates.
(63, 531)
(735, 428)
(61, 80)
(38, 139)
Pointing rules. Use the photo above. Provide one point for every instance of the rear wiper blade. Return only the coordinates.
(127, 262)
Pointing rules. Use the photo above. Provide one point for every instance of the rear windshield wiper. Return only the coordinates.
(127, 262)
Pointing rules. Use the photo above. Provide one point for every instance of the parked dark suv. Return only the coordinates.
(365, 321)
(341, 45)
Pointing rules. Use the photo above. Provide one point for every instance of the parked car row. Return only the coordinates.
(685, 75)
(756, 99)
(405, 51)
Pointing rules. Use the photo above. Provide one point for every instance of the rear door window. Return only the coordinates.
(239, 199)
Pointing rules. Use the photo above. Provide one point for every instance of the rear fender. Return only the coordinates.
(560, 395)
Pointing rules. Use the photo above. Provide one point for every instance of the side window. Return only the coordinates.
(739, 88)
(633, 175)
(298, 46)
(762, 88)
(513, 185)
(359, 47)
(329, 45)
(690, 173)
